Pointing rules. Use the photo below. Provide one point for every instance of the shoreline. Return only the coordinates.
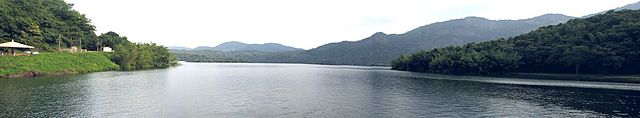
(35, 74)
(289, 63)
(55, 63)
(612, 78)
(615, 78)
(32, 74)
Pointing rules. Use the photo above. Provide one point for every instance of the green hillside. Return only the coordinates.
(44, 24)
(602, 44)
(51, 25)
(55, 63)
(381, 48)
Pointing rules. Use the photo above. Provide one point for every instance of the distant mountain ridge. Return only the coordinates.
(239, 46)
(178, 48)
(381, 48)
(633, 6)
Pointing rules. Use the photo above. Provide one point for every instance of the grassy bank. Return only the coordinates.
(55, 64)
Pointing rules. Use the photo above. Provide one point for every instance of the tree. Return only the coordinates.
(133, 56)
(111, 39)
(576, 56)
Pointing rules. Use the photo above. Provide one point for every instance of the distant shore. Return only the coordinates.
(618, 78)
(284, 63)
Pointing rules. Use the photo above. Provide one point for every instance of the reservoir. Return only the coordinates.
(303, 90)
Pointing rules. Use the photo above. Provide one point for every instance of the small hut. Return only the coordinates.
(14, 45)
(107, 49)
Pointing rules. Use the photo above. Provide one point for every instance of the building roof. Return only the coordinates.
(13, 44)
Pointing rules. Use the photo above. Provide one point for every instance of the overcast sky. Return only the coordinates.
(302, 23)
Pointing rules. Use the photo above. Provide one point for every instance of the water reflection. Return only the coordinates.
(39, 96)
(298, 90)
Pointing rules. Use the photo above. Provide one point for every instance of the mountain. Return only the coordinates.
(239, 46)
(178, 48)
(603, 44)
(633, 6)
(381, 48)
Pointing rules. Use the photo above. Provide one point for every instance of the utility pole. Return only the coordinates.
(59, 41)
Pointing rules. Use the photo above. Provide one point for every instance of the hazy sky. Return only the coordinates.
(302, 23)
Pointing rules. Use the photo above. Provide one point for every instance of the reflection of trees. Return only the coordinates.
(611, 102)
(40, 97)
(440, 97)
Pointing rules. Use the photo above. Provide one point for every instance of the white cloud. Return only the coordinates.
(302, 23)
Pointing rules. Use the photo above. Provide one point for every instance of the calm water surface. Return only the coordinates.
(298, 90)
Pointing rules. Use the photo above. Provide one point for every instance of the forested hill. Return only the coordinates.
(50, 25)
(239, 46)
(380, 48)
(607, 43)
(41, 23)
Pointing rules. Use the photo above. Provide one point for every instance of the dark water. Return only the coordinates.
(296, 90)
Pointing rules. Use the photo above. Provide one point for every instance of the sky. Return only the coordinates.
(303, 23)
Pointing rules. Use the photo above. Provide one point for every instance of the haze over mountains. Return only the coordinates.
(634, 6)
(239, 46)
(381, 48)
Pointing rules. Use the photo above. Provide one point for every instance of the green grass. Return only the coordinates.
(56, 63)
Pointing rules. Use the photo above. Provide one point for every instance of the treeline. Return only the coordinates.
(602, 44)
(52, 24)
(483, 58)
(205, 56)
(235, 56)
(133, 56)
(44, 24)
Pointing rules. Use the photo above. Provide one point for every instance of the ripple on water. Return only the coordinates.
(300, 90)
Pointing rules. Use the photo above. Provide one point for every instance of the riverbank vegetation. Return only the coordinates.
(45, 24)
(55, 63)
(133, 56)
(52, 26)
(603, 44)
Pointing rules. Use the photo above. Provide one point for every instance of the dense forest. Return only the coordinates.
(50, 25)
(604, 44)
(44, 24)
(132, 56)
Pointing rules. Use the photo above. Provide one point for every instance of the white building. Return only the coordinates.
(107, 49)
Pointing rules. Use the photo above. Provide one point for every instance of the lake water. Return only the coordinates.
(299, 90)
